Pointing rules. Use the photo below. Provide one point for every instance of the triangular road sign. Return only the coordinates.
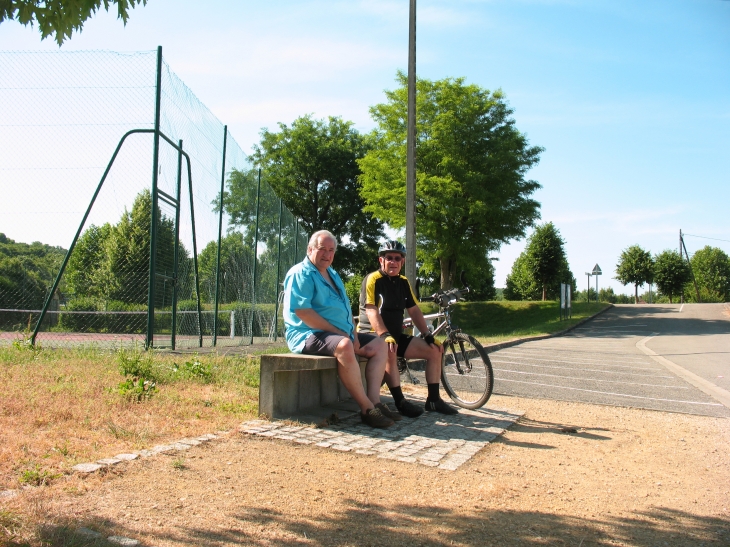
(596, 270)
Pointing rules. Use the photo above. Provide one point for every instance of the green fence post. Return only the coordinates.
(177, 246)
(255, 255)
(278, 274)
(149, 340)
(220, 231)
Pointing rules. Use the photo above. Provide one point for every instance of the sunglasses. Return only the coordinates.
(393, 258)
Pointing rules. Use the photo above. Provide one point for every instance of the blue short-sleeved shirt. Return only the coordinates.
(304, 287)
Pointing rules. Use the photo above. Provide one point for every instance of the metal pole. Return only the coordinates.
(278, 273)
(195, 255)
(255, 253)
(220, 232)
(176, 258)
(411, 270)
(149, 340)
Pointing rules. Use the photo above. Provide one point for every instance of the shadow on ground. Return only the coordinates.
(397, 525)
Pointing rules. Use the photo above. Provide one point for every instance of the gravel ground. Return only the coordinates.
(567, 473)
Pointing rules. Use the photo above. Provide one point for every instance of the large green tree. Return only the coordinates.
(671, 273)
(471, 193)
(61, 17)
(312, 165)
(636, 266)
(111, 263)
(711, 269)
(541, 267)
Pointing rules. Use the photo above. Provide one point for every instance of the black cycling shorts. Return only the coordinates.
(403, 342)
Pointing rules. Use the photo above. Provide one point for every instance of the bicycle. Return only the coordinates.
(466, 371)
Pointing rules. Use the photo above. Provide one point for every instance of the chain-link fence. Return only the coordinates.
(114, 161)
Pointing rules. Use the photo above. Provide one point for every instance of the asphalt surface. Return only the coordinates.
(673, 358)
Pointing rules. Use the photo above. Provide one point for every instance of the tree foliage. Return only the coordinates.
(26, 272)
(711, 269)
(635, 266)
(671, 273)
(541, 267)
(312, 165)
(472, 194)
(111, 262)
(61, 17)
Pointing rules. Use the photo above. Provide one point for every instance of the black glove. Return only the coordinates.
(430, 339)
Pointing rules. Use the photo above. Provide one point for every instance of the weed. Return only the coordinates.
(63, 450)
(9, 521)
(35, 476)
(196, 369)
(136, 364)
(141, 382)
(137, 389)
(179, 464)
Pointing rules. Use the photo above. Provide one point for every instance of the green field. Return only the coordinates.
(493, 322)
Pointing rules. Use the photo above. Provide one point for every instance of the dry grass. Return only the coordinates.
(63, 407)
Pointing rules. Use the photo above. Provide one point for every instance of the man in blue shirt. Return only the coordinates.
(318, 321)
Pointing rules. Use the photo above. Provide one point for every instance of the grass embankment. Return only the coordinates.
(493, 322)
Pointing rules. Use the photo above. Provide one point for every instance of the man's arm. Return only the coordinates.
(312, 319)
(418, 320)
(376, 321)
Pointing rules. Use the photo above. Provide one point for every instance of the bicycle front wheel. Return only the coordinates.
(466, 372)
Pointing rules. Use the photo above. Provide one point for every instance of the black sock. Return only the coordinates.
(433, 392)
(397, 394)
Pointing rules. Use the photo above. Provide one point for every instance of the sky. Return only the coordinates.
(630, 100)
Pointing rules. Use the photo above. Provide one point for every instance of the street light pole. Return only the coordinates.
(411, 271)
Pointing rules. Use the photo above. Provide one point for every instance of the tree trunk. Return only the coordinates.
(636, 293)
(544, 292)
(448, 267)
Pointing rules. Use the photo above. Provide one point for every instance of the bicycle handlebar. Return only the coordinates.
(447, 298)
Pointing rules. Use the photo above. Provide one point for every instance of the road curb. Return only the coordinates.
(501, 345)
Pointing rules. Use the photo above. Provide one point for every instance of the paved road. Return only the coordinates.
(663, 357)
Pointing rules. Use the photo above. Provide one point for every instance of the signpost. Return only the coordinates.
(596, 271)
(565, 298)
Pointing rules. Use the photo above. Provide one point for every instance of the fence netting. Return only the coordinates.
(77, 135)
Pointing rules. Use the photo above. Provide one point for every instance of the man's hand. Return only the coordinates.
(392, 343)
(431, 341)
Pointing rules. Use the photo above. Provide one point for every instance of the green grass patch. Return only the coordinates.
(493, 322)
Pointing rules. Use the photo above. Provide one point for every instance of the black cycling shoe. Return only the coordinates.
(409, 409)
(440, 406)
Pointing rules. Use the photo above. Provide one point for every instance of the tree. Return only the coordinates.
(671, 273)
(546, 256)
(711, 268)
(61, 17)
(635, 266)
(541, 267)
(472, 195)
(112, 262)
(312, 165)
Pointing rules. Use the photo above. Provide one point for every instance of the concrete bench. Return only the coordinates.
(293, 384)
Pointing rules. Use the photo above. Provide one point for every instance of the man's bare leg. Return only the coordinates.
(376, 352)
(349, 372)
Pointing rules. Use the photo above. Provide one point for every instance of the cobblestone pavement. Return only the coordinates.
(432, 439)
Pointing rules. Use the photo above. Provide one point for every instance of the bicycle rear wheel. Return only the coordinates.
(466, 372)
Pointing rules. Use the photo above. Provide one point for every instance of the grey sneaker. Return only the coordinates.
(374, 418)
(409, 409)
(388, 413)
(440, 406)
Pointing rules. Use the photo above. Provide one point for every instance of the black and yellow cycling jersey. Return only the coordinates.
(391, 295)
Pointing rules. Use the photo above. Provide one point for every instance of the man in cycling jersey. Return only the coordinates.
(384, 295)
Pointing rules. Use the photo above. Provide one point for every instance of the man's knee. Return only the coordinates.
(345, 346)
